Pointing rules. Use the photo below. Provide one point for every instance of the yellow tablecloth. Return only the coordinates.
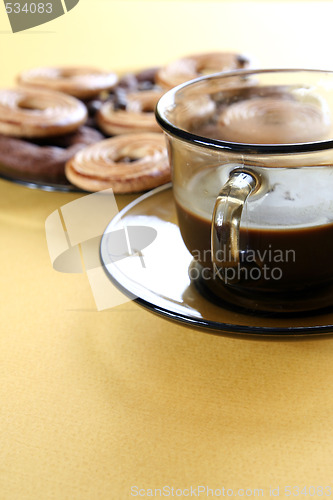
(107, 405)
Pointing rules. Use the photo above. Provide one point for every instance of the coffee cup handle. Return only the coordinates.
(226, 221)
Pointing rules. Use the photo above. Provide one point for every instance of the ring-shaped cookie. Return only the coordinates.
(273, 120)
(188, 68)
(39, 113)
(127, 164)
(81, 82)
(138, 115)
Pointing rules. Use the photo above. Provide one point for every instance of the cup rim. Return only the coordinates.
(216, 144)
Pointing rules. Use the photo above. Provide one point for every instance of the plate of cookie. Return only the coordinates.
(88, 129)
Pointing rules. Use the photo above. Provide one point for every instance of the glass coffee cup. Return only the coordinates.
(252, 172)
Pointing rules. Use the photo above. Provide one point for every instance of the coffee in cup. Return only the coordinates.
(252, 166)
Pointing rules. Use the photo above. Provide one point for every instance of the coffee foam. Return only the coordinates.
(295, 197)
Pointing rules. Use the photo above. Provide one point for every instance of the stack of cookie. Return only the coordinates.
(133, 157)
(89, 128)
(43, 123)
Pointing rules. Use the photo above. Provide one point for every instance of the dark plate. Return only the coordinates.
(37, 184)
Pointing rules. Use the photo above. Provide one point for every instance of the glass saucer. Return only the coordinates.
(156, 277)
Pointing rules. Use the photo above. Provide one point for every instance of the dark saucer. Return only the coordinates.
(157, 277)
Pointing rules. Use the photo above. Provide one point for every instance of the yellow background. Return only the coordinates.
(132, 33)
(92, 403)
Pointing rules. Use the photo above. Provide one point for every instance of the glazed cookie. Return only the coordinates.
(135, 115)
(273, 120)
(39, 113)
(188, 68)
(127, 164)
(81, 82)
